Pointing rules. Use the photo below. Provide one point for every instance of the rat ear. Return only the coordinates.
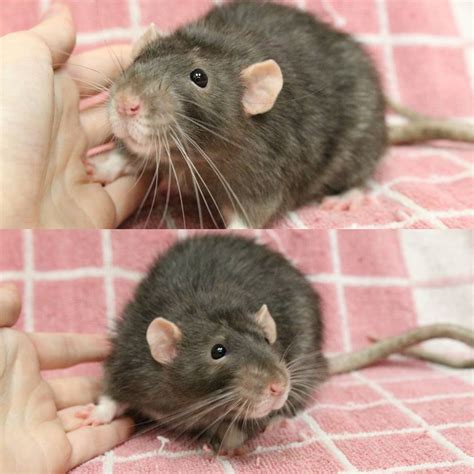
(267, 323)
(150, 35)
(263, 83)
(162, 337)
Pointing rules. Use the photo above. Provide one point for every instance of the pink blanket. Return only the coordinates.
(403, 415)
(423, 49)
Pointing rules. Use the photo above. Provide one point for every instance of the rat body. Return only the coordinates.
(257, 109)
(222, 336)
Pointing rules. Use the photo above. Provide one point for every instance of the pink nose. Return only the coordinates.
(276, 389)
(128, 106)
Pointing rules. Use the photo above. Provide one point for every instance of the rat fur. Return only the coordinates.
(324, 134)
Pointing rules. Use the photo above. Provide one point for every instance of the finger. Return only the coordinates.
(69, 420)
(90, 441)
(57, 30)
(70, 391)
(94, 71)
(127, 193)
(10, 305)
(96, 125)
(58, 351)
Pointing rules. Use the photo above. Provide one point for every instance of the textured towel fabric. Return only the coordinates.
(424, 51)
(404, 415)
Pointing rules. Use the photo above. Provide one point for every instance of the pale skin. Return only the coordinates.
(45, 137)
(39, 430)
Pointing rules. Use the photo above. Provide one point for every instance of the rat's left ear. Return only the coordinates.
(150, 35)
(163, 337)
(267, 323)
(263, 83)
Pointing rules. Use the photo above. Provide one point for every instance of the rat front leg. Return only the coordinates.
(229, 440)
(103, 413)
(107, 168)
(251, 214)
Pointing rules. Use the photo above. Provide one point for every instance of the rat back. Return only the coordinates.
(327, 131)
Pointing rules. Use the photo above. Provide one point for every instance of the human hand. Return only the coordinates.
(43, 182)
(39, 430)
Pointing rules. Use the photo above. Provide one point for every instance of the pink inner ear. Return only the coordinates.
(267, 323)
(162, 337)
(263, 83)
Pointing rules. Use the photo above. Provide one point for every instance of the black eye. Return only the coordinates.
(218, 351)
(267, 340)
(199, 77)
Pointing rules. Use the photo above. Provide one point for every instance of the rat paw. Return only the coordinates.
(105, 169)
(234, 452)
(102, 413)
(93, 415)
(351, 201)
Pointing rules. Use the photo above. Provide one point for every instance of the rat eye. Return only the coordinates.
(199, 77)
(218, 351)
(267, 340)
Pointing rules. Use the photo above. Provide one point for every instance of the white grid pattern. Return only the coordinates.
(110, 273)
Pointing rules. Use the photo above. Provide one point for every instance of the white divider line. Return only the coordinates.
(294, 219)
(108, 277)
(340, 296)
(28, 271)
(392, 78)
(292, 445)
(382, 402)
(327, 442)
(408, 203)
(325, 278)
(43, 6)
(422, 467)
(401, 406)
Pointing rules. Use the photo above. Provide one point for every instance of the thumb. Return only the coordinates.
(127, 194)
(57, 30)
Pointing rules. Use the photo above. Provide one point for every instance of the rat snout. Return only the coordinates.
(278, 391)
(128, 105)
(266, 390)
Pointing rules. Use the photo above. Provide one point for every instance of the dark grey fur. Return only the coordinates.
(211, 287)
(326, 132)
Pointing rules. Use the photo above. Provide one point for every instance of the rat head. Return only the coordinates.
(180, 90)
(228, 365)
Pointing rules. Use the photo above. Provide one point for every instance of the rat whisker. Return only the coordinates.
(197, 189)
(206, 128)
(218, 419)
(237, 415)
(194, 171)
(167, 148)
(190, 163)
(225, 185)
(213, 166)
(150, 187)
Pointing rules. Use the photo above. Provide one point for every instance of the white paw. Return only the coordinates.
(105, 169)
(101, 414)
(237, 223)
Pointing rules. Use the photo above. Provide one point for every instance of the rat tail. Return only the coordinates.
(403, 343)
(421, 128)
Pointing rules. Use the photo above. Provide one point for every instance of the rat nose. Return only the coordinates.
(276, 389)
(127, 105)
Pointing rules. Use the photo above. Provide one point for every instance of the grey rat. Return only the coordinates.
(272, 107)
(222, 337)
(216, 318)
(256, 109)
